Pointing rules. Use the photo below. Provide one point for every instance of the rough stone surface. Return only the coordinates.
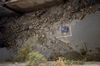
(30, 5)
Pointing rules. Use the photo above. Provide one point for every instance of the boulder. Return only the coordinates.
(30, 5)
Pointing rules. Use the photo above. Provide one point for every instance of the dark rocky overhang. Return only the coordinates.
(7, 7)
(5, 12)
(31, 5)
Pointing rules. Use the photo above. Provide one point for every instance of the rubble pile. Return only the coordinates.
(36, 28)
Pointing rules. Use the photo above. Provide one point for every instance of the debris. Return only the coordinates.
(42, 25)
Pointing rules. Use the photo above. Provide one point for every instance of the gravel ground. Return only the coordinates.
(38, 26)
